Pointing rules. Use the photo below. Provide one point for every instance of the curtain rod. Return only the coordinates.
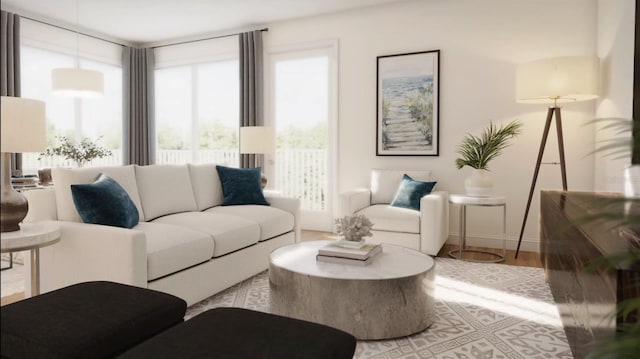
(117, 43)
(206, 38)
(74, 31)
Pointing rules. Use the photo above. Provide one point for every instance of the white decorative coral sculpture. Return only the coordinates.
(354, 228)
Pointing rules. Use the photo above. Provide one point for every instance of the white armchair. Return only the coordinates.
(425, 230)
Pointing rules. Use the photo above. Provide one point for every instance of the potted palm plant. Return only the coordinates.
(476, 152)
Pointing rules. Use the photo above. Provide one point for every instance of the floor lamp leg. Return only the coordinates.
(545, 134)
(563, 168)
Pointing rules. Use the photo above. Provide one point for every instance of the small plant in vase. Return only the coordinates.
(353, 229)
(476, 152)
(81, 154)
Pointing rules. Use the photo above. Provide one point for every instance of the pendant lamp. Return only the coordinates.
(77, 82)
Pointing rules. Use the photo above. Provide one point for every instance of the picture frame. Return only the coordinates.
(407, 100)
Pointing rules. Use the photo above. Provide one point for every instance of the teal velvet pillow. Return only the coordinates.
(241, 186)
(104, 202)
(410, 192)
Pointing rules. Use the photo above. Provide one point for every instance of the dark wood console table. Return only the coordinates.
(585, 299)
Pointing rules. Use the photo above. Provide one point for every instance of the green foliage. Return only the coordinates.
(170, 139)
(216, 136)
(385, 108)
(625, 343)
(300, 138)
(82, 153)
(477, 152)
(420, 105)
(618, 147)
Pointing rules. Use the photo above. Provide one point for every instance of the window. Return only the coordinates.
(301, 104)
(95, 118)
(197, 104)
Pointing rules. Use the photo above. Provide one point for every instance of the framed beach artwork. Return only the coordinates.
(407, 100)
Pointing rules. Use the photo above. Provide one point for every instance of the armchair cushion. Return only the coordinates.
(410, 191)
(385, 183)
(392, 219)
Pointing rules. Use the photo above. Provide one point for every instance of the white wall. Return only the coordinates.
(481, 42)
(615, 49)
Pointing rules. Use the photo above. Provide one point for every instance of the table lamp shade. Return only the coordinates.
(74, 82)
(257, 139)
(23, 125)
(558, 80)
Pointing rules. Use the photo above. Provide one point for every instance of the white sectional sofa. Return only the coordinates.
(186, 243)
(426, 229)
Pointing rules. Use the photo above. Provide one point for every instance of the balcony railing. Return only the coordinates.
(301, 173)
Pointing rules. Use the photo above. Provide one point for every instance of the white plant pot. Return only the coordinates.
(479, 184)
(632, 181)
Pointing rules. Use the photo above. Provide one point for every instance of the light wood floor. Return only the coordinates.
(525, 259)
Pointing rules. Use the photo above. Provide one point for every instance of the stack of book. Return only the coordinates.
(24, 182)
(333, 253)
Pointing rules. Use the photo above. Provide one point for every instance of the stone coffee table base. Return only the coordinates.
(370, 309)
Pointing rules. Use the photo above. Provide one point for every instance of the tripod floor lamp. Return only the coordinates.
(554, 81)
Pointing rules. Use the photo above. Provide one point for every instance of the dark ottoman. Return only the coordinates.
(86, 320)
(235, 333)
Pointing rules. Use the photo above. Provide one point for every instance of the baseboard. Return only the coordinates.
(528, 244)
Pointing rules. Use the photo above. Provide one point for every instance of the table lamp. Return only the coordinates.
(258, 140)
(23, 130)
(553, 81)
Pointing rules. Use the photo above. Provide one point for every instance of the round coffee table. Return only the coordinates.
(389, 298)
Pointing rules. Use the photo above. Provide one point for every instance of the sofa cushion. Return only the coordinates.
(206, 185)
(272, 221)
(173, 248)
(230, 233)
(395, 219)
(63, 178)
(385, 183)
(104, 202)
(241, 186)
(410, 192)
(165, 189)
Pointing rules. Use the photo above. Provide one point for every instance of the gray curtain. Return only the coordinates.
(10, 62)
(251, 97)
(138, 67)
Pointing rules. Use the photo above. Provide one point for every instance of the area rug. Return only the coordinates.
(482, 311)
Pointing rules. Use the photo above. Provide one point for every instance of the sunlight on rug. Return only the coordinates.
(482, 311)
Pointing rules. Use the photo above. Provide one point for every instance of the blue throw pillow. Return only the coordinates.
(410, 192)
(241, 186)
(105, 202)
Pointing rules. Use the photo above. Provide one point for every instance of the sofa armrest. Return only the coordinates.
(288, 204)
(88, 252)
(42, 205)
(354, 200)
(434, 221)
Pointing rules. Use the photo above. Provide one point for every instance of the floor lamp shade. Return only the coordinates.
(74, 82)
(23, 127)
(257, 139)
(558, 80)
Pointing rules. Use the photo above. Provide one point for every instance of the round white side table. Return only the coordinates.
(463, 201)
(31, 237)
